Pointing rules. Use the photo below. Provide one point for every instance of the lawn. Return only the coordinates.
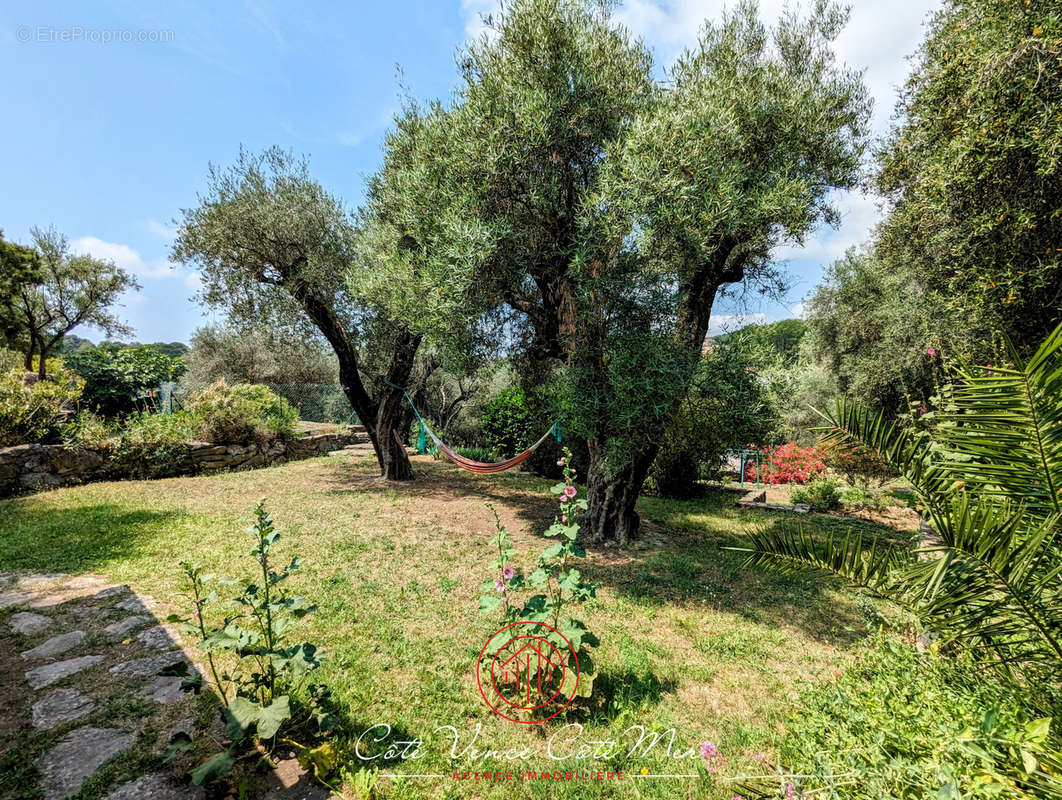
(689, 639)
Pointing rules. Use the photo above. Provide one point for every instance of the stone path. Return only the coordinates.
(97, 694)
(79, 652)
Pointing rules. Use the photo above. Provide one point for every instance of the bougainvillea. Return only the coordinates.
(787, 463)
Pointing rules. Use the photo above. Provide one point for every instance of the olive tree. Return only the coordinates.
(72, 290)
(271, 244)
(612, 208)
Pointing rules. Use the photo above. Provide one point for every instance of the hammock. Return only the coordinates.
(482, 467)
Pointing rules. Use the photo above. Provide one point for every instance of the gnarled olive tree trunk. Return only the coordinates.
(612, 495)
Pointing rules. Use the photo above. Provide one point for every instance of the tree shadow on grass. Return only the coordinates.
(74, 539)
(681, 557)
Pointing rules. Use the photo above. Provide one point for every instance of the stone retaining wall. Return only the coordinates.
(33, 467)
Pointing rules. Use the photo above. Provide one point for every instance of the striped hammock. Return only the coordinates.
(484, 467)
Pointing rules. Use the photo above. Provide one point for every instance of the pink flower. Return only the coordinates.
(570, 492)
(508, 572)
(560, 462)
(709, 750)
(499, 585)
(737, 797)
(564, 518)
(931, 351)
(790, 792)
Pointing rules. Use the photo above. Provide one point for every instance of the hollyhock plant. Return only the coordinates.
(558, 583)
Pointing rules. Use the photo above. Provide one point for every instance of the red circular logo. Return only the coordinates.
(527, 669)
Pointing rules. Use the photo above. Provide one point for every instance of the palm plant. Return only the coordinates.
(989, 475)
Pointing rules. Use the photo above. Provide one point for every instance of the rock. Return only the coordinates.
(164, 689)
(158, 638)
(48, 674)
(33, 583)
(77, 756)
(135, 603)
(185, 726)
(152, 665)
(14, 599)
(120, 628)
(27, 623)
(289, 781)
(110, 591)
(59, 706)
(55, 646)
(82, 613)
(155, 786)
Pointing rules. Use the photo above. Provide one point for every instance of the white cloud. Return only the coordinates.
(859, 214)
(473, 12)
(131, 261)
(161, 229)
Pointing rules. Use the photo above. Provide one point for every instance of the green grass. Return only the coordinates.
(689, 639)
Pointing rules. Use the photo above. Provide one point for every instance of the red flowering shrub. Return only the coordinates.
(788, 463)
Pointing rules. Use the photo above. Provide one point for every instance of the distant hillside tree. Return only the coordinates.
(74, 290)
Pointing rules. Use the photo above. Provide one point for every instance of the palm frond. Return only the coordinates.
(1006, 423)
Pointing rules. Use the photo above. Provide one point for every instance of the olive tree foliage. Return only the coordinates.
(974, 169)
(73, 290)
(19, 268)
(271, 244)
(256, 355)
(875, 329)
(614, 208)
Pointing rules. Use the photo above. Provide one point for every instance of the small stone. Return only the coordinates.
(155, 786)
(36, 582)
(164, 689)
(51, 600)
(134, 604)
(55, 646)
(185, 726)
(14, 599)
(152, 665)
(158, 638)
(27, 623)
(77, 756)
(48, 674)
(110, 591)
(82, 613)
(123, 626)
(59, 706)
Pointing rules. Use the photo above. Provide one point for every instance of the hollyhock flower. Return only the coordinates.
(499, 585)
(508, 572)
(931, 351)
(709, 750)
(564, 518)
(570, 491)
(560, 462)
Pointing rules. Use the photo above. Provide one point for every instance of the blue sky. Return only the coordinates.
(115, 109)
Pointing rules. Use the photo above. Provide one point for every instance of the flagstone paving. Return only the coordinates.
(94, 684)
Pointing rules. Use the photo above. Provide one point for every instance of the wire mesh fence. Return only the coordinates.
(317, 402)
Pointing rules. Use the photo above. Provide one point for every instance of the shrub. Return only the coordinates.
(242, 412)
(508, 426)
(119, 379)
(789, 463)
(821, 494)
(152, 445)
(859, 465)
(35, 411)
(726, 404)
(89, 430)
(905, 725)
